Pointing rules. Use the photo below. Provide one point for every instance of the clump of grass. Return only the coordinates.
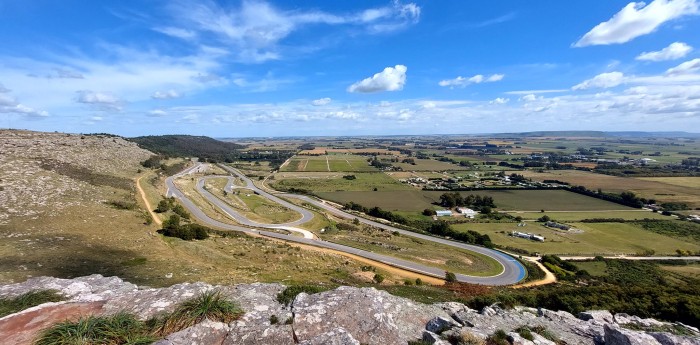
(547, 334)
(525, 332)
(30, 299)
(466, 338)
(498, 338)
(209, 305)
(287, 296)
(116, 329)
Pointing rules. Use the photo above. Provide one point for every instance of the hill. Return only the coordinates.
(188, 146)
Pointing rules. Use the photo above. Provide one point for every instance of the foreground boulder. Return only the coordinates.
(343, 316)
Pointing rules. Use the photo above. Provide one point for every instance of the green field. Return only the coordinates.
(336, 182)
(596, 239)
(428, 165)
(569, 216)
(331, 162)
(521, 200)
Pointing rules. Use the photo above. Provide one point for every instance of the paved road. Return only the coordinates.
(512, 273)
(663, 258)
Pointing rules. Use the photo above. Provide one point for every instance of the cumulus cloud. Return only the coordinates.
(99, 99)
(477, 79)
(637, 19)
(9, 105)
(390, 79)
(687, 67)
(675, 50)
(500, 100)
(176, 32)
(603, 80)
(170, 94)
(321, 101)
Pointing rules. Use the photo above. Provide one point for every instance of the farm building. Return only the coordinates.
(467, 212)
(527, 236)
(443, 213)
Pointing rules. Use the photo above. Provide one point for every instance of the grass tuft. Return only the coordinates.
(209, 305)
(290, 293)
(30, 299)
(116, 329)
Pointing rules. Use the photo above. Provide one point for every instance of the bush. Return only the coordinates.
(524, 332)
(288, 295)
(378, 278)
(116, 329)
(498, 338)
(30, 299)
(450, 277)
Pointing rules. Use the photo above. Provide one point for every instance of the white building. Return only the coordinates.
(443, 213)
(467, 212)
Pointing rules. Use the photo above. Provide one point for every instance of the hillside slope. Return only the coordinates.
(187, 146)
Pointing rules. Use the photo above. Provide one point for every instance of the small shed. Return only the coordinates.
(443, 213)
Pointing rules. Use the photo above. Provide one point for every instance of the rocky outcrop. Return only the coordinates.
(343, 316)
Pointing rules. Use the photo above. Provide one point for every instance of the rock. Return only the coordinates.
(603, 316)
(439, 324)
(624, 319)
(260, 303)
(515, 339)
(204, 333)
(432, 338)
(262, 335)
(465, 317)
(336, 336)
(670, 339)
(369, 315)
(540, 340)
(615, 335)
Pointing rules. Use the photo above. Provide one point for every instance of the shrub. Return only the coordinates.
(30, 299)
(290, 293)
(378, 278)
(524, 332)
(274, 320)
(450, 277)
(498, 338)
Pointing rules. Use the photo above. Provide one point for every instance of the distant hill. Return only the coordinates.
(187, 146)
(597, 134)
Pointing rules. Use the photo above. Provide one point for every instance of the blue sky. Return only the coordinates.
(283, 68)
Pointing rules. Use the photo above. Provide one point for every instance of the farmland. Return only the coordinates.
(336, 182)
(595, 239)
(522, 200)
(332, 162)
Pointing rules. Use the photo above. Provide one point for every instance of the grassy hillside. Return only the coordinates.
(187, 146)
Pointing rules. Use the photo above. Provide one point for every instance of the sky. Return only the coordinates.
(256, 68)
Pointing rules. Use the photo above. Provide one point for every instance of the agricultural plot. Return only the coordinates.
(650, 189)
(572, 216)
(428, 165)
(595, 239)
(332, 162)
(332, 182)
(522, 200)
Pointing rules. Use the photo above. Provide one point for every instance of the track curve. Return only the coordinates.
(512, 272)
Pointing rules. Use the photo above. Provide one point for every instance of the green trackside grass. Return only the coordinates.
(263, 210)
(596, 239)
(331, 162)
(572, 216)
(412, 249)
(429, 165)
(30, 299)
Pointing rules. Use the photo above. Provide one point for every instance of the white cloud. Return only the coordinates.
(191, 118)
(390, 79)
(603, 80)
(3, 89)
(170, 94)
(528, 92)
(687, 67)
(256, 28)
(637, 19)
(477, 79)
(321, 101)
(500, 100)
(675, 50)
(530, 98)
(157, 113)
(99, 99)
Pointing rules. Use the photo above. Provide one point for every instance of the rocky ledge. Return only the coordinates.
(346, 315)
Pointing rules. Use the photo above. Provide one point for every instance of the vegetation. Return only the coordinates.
(30, 299)
(210, 305)
(187, 232)
(288, 295)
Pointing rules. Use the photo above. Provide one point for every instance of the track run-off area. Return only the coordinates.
(513, 271)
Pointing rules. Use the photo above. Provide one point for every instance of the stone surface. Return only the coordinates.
(336, 336)
(439, 324)
(597, 315)
(515, 339)
(370, 315)
(670, 339)
(204, 333)
(615, 335)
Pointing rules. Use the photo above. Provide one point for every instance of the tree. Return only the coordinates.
(450, 277)
(172, 223)
(544, 218)
(428, 212)
(356, 221)
(163, 206)
(378, 278)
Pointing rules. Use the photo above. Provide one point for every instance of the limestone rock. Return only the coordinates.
(432, 338)
(336, 336)
(515, 339)
(439, 324)
(369, 315)
(603, 316)
(615, 335)
(670, 339)
(204, 333)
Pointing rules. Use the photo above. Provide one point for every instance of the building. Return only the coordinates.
(443, 213)
(527, 236)
(467, 212)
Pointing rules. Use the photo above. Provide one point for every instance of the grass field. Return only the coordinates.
(650, 189)
(689, 182)
(336, 182)
(331, 162)
(596, 239)
(262, 210)
(429, 165)
(568, 216)
(521, 200)
(412, 249)
(690, 270)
